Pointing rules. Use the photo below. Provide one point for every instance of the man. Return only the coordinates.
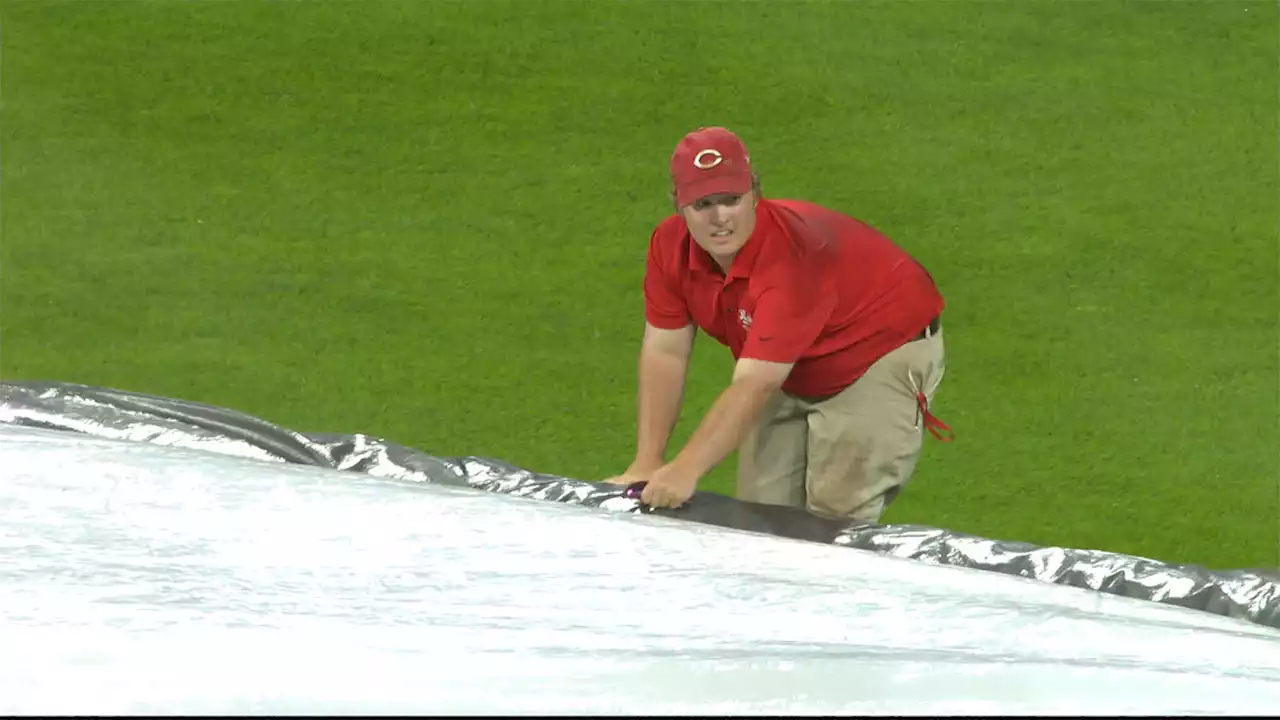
(835, 330)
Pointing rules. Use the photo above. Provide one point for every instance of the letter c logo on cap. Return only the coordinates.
(703, 164)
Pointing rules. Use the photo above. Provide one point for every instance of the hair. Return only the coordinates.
(755, 190)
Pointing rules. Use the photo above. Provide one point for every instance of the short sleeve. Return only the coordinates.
(790, 313)
(664, 303)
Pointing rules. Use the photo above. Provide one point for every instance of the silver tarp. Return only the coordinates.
(110, 413)
(144, 579)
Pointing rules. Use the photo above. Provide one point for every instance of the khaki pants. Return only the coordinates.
(849, 455)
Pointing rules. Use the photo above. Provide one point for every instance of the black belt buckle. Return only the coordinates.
(931, 329)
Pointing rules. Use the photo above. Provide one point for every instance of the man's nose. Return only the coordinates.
(720, 213)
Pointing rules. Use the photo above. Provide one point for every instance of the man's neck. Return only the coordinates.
(723, 262)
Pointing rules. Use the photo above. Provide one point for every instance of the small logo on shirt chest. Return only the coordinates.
(745, 319)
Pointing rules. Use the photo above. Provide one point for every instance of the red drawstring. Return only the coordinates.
(933, 424)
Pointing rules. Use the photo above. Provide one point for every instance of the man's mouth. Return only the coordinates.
(722, 233)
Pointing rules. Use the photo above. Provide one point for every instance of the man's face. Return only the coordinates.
(721, 224)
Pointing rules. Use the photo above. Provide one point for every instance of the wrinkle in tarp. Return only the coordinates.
(1250, 594)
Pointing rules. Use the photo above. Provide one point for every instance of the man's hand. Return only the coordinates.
(669, 487)
(639, 471)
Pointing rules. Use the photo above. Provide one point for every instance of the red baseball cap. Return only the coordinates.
(709, 161)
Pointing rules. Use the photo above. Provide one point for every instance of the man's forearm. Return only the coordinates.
(659, 397)
(732, 415)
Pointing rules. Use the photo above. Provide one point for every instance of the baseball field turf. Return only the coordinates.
(427, 221)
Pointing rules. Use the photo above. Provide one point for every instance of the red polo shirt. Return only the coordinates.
(811, 287)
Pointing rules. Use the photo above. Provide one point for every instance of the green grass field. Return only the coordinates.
(427, 221)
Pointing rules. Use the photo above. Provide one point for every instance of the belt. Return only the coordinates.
(931, 329)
